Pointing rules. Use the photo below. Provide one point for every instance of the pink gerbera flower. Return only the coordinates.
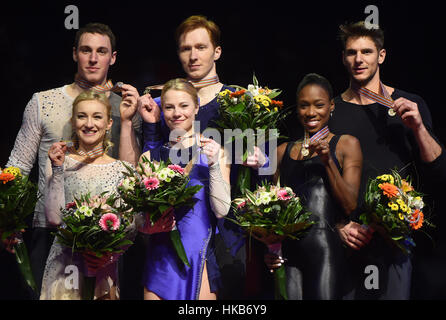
(151, 183)
(282, 194)
(176, 168)
(109, 221)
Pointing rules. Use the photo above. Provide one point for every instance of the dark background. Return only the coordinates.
(280, 41)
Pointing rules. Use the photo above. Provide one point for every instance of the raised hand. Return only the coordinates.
(148, 109)
(56, 153)
(409, 113)
(129, 102)
(211, 149)
(322, 148)
(255, 160)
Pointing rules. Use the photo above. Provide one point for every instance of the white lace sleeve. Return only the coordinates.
(55, 195)
(27, 142)
(219, 191)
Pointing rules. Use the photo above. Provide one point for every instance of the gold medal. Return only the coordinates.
(391, 112)
(304, 152)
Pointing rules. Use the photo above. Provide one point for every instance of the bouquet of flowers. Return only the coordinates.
(271, 214)
(156, 187)
(251, 108)
(394, 207)
(95, 226)
(18, 197)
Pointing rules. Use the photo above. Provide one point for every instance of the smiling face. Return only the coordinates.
(94, 56)
(197, 54)
(90, 122)
(362, 59)
(179, 109)
(314, 107)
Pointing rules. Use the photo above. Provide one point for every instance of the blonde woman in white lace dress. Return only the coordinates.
(85, 167)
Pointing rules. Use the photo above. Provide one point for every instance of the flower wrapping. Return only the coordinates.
(18, 197)
(394, 208)
(156, 187)
(272, 214)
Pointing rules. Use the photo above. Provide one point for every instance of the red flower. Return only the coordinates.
(70, 205)
(237, 94)
(277, 103)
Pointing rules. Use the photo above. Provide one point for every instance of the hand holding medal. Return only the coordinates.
(322, 148)
(314, 141)
(409, 113)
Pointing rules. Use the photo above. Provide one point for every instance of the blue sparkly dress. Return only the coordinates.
(164, 273)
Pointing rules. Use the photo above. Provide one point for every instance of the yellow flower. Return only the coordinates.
(393, 206)
(400, 202)
(14, 171)
(401, 216)
(268, 110)
(225, 92)
(403, 207)
(257, 106)
(386, 177)
(275, 109)
(265, 103)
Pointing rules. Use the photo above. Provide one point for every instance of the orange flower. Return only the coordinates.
(277, 103)
(388, 189)
(6, 177)
(237, 94)
(417, 215)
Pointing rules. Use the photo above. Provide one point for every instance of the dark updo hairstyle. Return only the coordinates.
(314, 78)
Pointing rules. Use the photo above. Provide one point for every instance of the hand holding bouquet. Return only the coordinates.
(244, 111)
(155, 188)
(98, 228)
(18, 197)
(394, 207)
(271, 214)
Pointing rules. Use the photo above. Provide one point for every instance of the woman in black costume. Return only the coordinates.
(325, 173)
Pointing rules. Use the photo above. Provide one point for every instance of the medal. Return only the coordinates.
(391, 112)
(304, 152)
(384, 99)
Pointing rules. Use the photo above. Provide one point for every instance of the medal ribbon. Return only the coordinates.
(92, 154)
(384, 99)
(108, 86)
(321, 134)
(205, 82)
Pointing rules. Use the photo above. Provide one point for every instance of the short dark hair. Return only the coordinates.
(359, 29)
(314, 78)
(95, 27)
